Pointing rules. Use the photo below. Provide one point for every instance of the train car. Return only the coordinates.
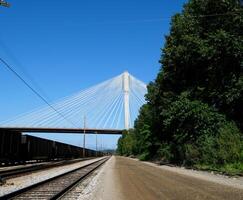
(34, 148)
(77, 152)
(10, 143)
(87, 153)
(15, 147)
(63, 150)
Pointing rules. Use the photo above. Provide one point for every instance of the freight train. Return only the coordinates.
(18, 148)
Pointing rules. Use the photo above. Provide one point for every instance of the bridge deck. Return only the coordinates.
(62, 130)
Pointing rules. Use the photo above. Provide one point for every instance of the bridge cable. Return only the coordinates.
(33, 90)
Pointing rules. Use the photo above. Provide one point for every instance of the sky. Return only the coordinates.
(62, 47)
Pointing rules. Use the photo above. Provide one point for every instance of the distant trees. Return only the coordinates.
(194, 113)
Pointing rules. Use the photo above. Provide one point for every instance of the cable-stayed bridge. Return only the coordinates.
(108, 107)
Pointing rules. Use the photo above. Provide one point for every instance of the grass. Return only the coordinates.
(233, 169)
(143, 157)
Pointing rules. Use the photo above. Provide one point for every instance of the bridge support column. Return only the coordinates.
(126, 89)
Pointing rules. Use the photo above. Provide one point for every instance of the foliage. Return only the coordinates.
(193, 114)
(144, 156)
(165, 152)
(185, 120)
(203, 55)
(217, 150)
(126, 143)
(229, 169)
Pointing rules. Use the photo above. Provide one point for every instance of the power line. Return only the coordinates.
(26, 74)
(168, 18)
(34, 91)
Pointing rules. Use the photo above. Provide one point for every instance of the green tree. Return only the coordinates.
(193, 114)
(204, 56)
(197, 133)
(127, 143)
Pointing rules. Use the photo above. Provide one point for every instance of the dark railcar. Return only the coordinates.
(34, 148)
(9, 146)
(15, 147)
(63, 150)
(77, 152)
(91, 153)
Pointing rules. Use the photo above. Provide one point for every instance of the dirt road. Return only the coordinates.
(127, 179)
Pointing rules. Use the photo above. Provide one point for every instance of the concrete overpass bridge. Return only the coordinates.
(61, 130)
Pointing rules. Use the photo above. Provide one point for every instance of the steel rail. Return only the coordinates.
(11, 173)
(60, 184)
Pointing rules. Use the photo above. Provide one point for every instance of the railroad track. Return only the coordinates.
(6, 174)
(55, 187)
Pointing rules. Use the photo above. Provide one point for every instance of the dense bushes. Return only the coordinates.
(193, 114)
(188, 124)
(126, 144)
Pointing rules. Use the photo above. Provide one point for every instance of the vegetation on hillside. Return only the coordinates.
(194, 110)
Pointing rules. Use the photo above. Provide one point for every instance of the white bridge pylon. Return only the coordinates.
(112, 104)
(126, 100)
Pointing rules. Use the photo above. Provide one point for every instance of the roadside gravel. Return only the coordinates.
(236, 182)
(102, 185)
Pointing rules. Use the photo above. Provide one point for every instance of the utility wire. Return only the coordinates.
(168, 18)
(33, 90)
(18, 64)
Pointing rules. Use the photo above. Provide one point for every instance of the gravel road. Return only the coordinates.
(127, 179)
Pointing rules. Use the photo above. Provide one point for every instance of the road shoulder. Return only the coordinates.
(236, 182)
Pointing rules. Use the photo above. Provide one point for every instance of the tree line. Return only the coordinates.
(194, 110)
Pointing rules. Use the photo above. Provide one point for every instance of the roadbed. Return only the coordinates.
(124, 178)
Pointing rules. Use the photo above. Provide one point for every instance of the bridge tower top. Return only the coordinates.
(126, 89)
(112, 104)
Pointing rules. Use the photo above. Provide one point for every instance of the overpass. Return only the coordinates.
(61, 130)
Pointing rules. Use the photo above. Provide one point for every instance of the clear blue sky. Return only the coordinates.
(61, 47)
